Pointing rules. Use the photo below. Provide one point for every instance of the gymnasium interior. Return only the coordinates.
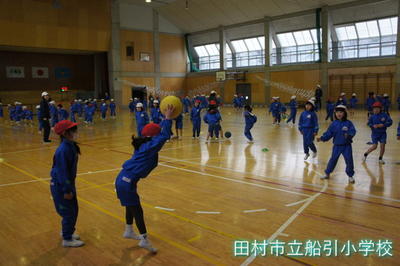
(227, 201)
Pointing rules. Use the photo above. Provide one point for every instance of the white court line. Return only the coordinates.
(289, 221)
(24, 182)
(37, 149)
(206, 212)
(295, 181)
(283, 234)
(295, 203)
(100, 171)
(258, 210)
(165, 209)
(235, 180)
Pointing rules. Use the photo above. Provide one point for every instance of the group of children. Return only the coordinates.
(18, 113)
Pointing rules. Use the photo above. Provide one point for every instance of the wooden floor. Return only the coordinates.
(249, 194)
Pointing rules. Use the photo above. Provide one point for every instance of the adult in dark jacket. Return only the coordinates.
(318, 97)
(45, 116)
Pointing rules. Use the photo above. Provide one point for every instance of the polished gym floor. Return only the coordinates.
(202, 197)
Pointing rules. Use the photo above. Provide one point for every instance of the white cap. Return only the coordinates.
(135, 98)
(44, 93)
(319, 86)
(139, 105)
(37, 106)
(79, 100)
(293, 97)
(104, 104)
(235, 95)
(354, 94)
(213, 92)
(341, 106)
(312, 98)
(312, 102)
(24, 107)
(342, 94)
(130, 99)
(94, 99)
(385, 95)
(102, 99)
(75, 100)
(155, 101)
(52, 102)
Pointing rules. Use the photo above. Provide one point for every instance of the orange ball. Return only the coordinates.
(174, 101)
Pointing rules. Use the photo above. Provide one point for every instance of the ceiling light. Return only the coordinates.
(148, 1)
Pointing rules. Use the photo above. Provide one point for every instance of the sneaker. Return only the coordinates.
(131, 235)
(193, 138)
(364, 159)
(72, 243)
(351, 180)
(306, 156)
(381, 161)
(250, 141)
(314, 155)
(326, 176)
(145, 243)
(74, 236)
(46, 141)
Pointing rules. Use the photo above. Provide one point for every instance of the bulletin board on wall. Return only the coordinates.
(361, 84)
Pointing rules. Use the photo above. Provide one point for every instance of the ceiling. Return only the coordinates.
(207, 14)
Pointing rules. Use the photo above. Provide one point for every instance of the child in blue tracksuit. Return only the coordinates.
(342, 131)
(308, 126)
(186, 104)
(212, 118)
(27, 115)
(142, 118)
(353, 103)
(11, 112)
(80, 108)
(275, 109)
(62, 184)
(196, 119)
(1, 111)
(113, 107)
(386, 103)
(369, 102)
(236, 102)
(143, 161)
(250, 119)
(330, 107)
(131, 105)
(155, 113)
(378, 122)
(103, 110)
(179, 126)
(53, 113)
(40, 125)
(293, 110)
(89, 112)
(73, 110)
(62, 113)
(18, 112)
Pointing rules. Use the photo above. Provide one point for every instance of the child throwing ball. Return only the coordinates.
(143, 161)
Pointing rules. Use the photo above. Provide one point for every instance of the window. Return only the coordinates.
(366, 39)
(298, 46)
(208, 56)
(249, 51)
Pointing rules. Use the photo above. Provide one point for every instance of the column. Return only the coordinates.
(267, 68)
(114, 56)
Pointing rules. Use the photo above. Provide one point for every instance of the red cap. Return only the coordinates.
(377, 104)
(151, 130)
(198, 101)
(212, 102)
(63, 125)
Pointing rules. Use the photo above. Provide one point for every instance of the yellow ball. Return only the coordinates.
(174, 101)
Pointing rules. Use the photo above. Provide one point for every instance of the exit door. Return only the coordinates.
(244, 89)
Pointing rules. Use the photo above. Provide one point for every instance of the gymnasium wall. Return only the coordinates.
(136, 72)
(361, 80)
(74, 26)
(27, 90)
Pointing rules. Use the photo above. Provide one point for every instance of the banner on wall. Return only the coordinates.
(40, 72)
(15, 72)
(62, 72)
